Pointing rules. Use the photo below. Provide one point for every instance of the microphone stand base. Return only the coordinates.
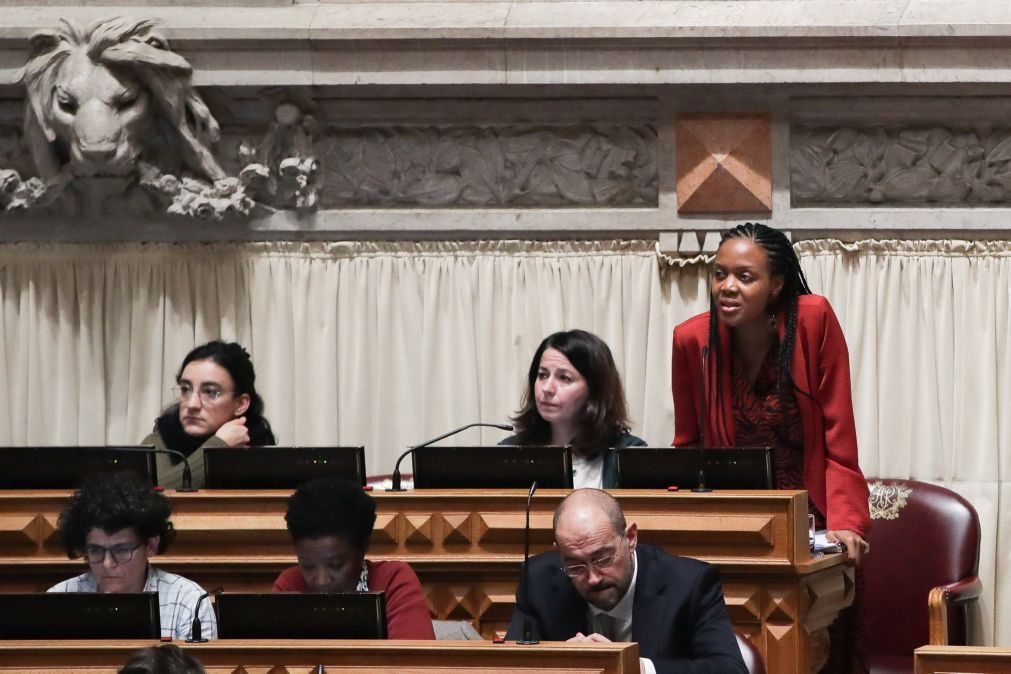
(528, 642)
(701, 490)
(196, 641)
(397, 489)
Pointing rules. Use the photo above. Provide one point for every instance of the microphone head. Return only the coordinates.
(504, 427)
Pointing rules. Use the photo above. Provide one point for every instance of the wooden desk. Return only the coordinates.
(962, 659)
(466, 546)
(283, 656)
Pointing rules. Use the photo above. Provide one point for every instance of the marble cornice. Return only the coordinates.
(651, 42)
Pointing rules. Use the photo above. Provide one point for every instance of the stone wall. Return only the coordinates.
(535, 119)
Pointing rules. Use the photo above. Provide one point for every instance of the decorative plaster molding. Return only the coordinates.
(900, 165)
(113, 125)
(515, 166)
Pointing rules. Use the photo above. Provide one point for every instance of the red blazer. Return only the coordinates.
(820, 367)
(407, 615)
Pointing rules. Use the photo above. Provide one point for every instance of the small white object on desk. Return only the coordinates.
(823, 544)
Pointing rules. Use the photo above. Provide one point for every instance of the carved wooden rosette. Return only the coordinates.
(466, 547)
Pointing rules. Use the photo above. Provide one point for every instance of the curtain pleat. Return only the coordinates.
(387, 344)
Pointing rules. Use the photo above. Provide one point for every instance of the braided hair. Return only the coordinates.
(783, 262)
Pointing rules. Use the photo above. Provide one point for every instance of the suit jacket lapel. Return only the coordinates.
(649, 604)
(569, 612)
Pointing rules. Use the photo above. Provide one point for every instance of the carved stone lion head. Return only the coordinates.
(102, 98)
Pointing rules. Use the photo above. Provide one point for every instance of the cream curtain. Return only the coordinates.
(386, 344)
(373, 343)
(927, 325)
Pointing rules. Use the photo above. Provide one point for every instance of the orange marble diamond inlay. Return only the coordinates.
(724, 163)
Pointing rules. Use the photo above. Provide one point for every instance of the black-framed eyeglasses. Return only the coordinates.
(577, 570)
(121, 553)
(208, 394)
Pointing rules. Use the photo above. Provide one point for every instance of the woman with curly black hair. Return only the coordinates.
(574, 397)
(218, 407)
(330, 521)
(117, 523)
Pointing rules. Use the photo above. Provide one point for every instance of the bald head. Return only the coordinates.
(586, 509)
(595, 546)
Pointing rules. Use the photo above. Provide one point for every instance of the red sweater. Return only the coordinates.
(820, 367)
(407, 615)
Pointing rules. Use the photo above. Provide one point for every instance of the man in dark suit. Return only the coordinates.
(602, 585)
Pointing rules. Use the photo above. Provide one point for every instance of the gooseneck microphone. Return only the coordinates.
(187, 475)
(395, 478)
(196, 630)
(528, 624)
(701, 487)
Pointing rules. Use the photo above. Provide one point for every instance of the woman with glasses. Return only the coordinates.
(218, 406)
(574, 397)
(117, 523)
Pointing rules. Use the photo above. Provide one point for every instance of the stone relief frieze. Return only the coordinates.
(910, 165)
(490, 166)
(112, 124)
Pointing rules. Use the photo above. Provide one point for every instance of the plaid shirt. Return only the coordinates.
(176, 598)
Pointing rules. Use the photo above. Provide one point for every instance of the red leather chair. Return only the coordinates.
(921, 573)
(752, 657)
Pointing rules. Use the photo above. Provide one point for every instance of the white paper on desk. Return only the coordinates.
(823, 544)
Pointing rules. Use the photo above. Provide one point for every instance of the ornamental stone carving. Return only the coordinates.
(911, 165)
(540, 166)
(112, 124)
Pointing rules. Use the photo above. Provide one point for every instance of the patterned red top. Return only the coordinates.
(764, 418)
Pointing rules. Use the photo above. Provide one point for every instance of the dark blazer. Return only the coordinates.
(609, 471)
(679, 617)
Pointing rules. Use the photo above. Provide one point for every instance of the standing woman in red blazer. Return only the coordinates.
(776, 375)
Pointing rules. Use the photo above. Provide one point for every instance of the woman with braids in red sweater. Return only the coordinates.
(776, 375)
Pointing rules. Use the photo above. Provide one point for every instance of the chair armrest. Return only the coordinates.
(943, 596)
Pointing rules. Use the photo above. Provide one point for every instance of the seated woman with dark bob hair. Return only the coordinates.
(574, 397)
(330, 521)
(218, 406)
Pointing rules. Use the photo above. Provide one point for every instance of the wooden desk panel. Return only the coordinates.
(962, 660)
(284, 656)
(765, 528)
(466, 547)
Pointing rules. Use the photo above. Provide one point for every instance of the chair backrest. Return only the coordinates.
(922, 536)
(752, 657)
